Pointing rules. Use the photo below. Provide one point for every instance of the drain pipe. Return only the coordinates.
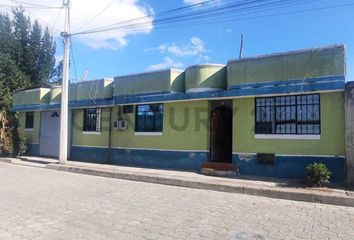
(110, 136)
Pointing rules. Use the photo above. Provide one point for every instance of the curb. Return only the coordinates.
(6, 160)
(281, 193)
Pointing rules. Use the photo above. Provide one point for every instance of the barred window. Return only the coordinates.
(29, 121)
(149, 118)
(92, 120)
(288, 115)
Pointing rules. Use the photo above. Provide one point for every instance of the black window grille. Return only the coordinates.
(149, 118)
(92, 120)
(288, 114)
(29, 120)
(127, 108)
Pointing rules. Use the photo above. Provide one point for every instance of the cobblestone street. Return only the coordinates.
(37, 203)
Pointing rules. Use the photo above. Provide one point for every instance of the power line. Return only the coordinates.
(223, 10)
(218, 17)
(155, 14)
(53, 26)
(99, 13)
(72, 57)
(33, 5)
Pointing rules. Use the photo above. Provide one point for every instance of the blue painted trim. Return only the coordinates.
(72, 104)
(287, 82)
(270, 88)
(33, 149)
(142, 94)
(289, 166)
(90, 103)
(313, 87)
(179, 160)
(89, 154)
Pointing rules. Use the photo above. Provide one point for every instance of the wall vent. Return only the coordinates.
(266, 158)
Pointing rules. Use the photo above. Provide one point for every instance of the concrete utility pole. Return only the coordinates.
(63, 144)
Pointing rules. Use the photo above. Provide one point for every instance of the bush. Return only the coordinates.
(317, 174)
(19, 142)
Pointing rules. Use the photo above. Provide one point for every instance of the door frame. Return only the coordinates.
(213, 105)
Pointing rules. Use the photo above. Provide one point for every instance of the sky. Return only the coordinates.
(151, 47)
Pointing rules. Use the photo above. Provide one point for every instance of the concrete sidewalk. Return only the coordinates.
(266, 187)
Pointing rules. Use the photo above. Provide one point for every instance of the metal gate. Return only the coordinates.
(49, 133)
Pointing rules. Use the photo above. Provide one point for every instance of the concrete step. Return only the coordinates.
(220, 169)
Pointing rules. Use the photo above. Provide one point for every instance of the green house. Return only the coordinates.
(271, 115)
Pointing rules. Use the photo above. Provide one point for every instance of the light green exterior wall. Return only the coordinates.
(33, 96)
(195, 136)
(205, 76)
(178, 83)
(190, 138)
(332, 140)
(307, 64)
(95, 89)
(82, 139)
(55, 96)
(32, 136)
(150, 82)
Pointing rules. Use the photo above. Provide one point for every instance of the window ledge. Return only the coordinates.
(91, 133)
(29, 129)
(148, 133)
(287, 136)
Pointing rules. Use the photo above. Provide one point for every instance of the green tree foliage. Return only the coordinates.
(26, 60)
(11, 79)
(27, 54)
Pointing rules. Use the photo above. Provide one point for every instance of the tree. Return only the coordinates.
(26, 54)
(26, 60)
(11, 79)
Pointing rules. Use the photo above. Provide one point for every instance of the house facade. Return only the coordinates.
(271, 115)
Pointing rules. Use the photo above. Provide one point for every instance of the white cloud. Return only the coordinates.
(192, 2)
(58, 58)
(84, 10)
(167, 63)
(194, 47)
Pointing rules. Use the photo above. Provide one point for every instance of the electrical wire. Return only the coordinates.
(33, 5)
(226, 11)
(99, 13)
(73, 59)
(231, 8)
(161, 13)
(53, 26)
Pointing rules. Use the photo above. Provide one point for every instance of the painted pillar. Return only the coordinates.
(349, 131)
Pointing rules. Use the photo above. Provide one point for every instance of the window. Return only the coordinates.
(92, 120)
(288, 115)
(149, 118)
(127, 108)
(29, 120)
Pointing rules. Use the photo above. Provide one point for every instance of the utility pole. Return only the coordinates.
(63, 143)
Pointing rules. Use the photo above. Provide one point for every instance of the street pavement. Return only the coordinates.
(38, 203)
